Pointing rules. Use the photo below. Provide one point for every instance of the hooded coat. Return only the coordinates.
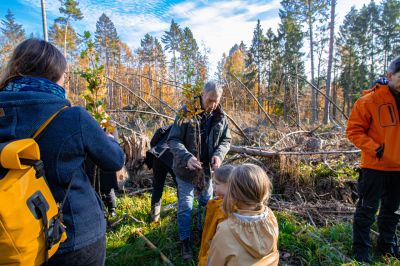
(246, 238)
(374, 121)
(66, 142)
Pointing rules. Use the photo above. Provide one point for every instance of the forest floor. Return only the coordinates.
(320, 239)
(314, 199)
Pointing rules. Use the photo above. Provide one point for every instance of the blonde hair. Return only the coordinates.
(248, 184)
(34, 57)
(222, 174)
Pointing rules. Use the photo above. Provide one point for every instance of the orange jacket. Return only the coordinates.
(214, 216)
(374, 120)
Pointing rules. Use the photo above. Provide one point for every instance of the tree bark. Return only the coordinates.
(298, 120)
(44, 20)
(330, 59)
(65, 39)
(313, 92)
(264, 153)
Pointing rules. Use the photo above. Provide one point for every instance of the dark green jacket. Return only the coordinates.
(182, 140)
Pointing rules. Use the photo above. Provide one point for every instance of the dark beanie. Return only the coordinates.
(394, 66)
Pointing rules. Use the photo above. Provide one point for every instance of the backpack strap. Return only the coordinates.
(37, 202)
(46, 123)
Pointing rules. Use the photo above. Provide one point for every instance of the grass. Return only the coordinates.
(124, 247)
(299, 242)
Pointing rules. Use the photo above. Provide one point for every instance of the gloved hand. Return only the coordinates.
(379, 151)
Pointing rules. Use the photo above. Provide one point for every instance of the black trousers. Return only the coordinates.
(160, 171)
(376, 187)
(109, 198)
(91, 255)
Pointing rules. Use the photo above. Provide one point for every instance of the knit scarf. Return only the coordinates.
(21, 84)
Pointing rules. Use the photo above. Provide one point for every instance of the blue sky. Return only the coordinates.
(216, 25)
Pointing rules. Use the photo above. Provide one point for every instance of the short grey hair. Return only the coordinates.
(211, 86)
(394, 66)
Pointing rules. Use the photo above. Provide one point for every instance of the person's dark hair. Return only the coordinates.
(394, 66)
(37, 58)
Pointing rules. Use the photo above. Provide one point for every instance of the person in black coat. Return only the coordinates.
(105, 184)
(159, 158)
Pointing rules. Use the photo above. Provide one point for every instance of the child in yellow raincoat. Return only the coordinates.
(249, 236)
(214, 213)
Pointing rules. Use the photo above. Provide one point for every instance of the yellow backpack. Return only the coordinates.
(31, 228)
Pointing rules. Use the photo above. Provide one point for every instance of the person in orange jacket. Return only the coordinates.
(374, 127)
(214, 213)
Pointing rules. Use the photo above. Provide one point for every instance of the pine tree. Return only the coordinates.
(328, 80)
(12, 35)
(347, 43)
(389, 31)
(374, 47)
(270, 47)
(152, 55)
(220, 73)
(57, 37)
(107, 46)
(126, 55)
(256, 58)
(147, 47)
(362, 43)
(107, 41)
(291, 41)
(172, 40)
(70, 10)
(160, 67)
(235, 66)
(13, 31)
(189, 51)
(309, 13)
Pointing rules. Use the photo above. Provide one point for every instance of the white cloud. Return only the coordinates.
(217, 24)
(222, 24)
(183, 9)
(131, 27)
(343, 7)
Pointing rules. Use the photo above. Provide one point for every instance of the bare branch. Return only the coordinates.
(254, 97)
(140, 111)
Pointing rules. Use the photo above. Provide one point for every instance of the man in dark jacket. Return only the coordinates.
(215, 141)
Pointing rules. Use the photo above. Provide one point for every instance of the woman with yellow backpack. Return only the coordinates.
(30, 93)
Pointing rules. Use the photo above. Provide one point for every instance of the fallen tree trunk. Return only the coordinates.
(264, 153)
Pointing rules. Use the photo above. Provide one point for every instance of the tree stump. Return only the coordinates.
(135, 147)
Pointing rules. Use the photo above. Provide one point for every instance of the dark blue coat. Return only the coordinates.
(72, 136)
